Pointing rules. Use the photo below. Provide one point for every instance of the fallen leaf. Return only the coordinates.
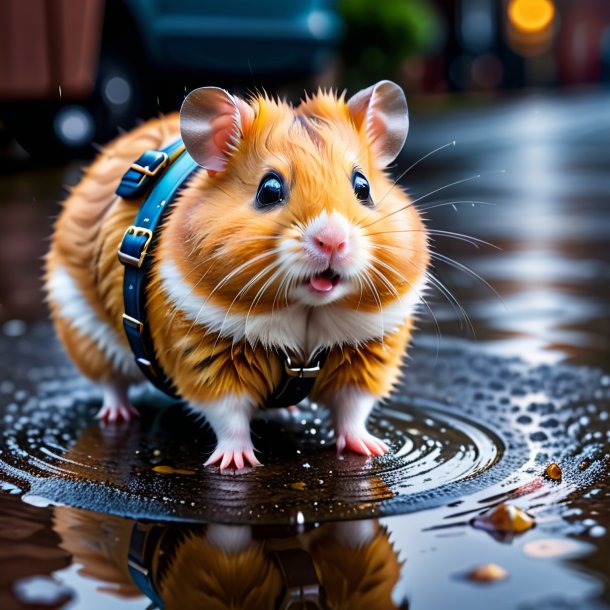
(553, 471)
(171, 470)
(488, 573)
(505, 518)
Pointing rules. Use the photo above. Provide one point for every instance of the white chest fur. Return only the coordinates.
(299, 328)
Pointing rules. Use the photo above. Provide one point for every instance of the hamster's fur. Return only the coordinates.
(233, 280)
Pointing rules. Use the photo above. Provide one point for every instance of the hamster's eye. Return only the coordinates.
(270, 192)
(362, 188)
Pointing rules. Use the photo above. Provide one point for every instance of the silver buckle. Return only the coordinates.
(301, 371)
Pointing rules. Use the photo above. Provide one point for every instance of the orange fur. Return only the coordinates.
(86, 237)
(100, 545)
(219, 580)
(213, 228)
(357, 577)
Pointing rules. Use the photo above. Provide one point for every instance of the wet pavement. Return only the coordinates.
(512, 376)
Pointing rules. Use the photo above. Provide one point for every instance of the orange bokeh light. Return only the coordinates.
(531, 15)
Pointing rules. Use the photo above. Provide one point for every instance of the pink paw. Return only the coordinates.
(233, 456)
(117, 413)
(361, 442)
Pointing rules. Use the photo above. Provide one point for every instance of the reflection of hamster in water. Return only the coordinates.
(295, 239)
(221, 566)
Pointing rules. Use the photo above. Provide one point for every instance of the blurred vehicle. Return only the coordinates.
(72, 71)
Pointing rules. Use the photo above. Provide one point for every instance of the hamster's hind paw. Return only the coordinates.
(361, 442)
(231, 456)
(117, 413)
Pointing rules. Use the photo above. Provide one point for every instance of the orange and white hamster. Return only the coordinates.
(291, 236)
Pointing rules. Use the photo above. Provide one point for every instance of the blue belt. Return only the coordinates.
(162, 174)
(165, 172)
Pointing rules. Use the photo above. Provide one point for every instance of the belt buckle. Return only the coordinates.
(127, 259)
(301, 371)
(153, 167)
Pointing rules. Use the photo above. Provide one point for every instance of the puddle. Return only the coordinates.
(467, 433)
(489, 419)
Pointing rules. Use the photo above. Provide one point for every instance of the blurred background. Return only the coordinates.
(521, 86)
(73, 71)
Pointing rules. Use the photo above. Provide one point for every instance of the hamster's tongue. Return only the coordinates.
(324, 282)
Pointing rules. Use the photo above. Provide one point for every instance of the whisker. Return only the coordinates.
(387, 283)
(283, 282)
(431, 205)
(403, 174)
(387, 247)
(456, 265)
(457, 307)
(432, 152)
(245, 288)
(474, 241)
(451, 299)
(414, 201)
(252, 281)
(375, 295)
(361, 285)
(259, 296)
(228, 278)
(419, 294)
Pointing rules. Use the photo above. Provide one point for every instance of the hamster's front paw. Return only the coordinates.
(115, 406)
(117, 413)
(361, 442)
(233, 455)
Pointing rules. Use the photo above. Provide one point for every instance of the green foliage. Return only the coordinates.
(381, 34)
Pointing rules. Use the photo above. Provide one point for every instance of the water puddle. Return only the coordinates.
(471, 436)
(462, 423)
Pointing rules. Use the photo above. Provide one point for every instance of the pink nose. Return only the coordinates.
(331, 240)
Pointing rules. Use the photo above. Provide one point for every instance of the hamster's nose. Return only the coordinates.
(331, 240)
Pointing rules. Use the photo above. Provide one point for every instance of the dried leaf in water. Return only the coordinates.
(553, 472)
(505, 518)
(488, 573)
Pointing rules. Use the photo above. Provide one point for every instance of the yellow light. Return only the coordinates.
(531, 15)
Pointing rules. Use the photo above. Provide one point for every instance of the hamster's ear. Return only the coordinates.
(211, 123)
(381, 110)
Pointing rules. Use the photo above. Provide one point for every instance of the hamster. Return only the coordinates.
(291, 236)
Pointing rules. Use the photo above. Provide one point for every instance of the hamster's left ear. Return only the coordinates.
(382, 112)
(212, 121)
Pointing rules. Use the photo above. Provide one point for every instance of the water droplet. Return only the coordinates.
(597, 531)
(14, 328)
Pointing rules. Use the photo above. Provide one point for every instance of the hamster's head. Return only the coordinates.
(297, 206)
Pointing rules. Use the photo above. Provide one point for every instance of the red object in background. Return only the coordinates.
(45, 44)
(579, 43)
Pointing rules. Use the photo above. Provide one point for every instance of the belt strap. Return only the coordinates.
(144, 544)
(137, 245)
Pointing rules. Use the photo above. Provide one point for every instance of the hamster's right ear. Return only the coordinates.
(211, 123)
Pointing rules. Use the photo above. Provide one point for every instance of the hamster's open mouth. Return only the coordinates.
(323, 283)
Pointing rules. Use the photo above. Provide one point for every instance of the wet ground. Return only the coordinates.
(92, 517)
